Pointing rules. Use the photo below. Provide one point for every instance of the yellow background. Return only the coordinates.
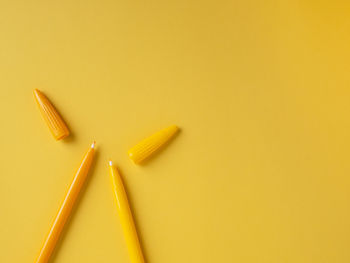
(260, 171)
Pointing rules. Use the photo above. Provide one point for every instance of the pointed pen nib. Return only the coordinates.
(93, 145)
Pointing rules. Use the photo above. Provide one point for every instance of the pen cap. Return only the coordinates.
(150, 145)
(52, 118)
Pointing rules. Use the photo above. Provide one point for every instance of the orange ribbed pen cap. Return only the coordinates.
(150, 145)
(52, 118)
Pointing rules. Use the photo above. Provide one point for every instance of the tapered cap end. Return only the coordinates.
(150, 145)
(52, 118)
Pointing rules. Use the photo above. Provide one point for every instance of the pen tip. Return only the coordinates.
(93, 145)
(110, 163)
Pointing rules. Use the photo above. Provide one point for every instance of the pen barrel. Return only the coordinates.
(66, 208)
(126, 219)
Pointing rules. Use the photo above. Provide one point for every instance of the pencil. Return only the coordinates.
(126, 218)
(66, 207)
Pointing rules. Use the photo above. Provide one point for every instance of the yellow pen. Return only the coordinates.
(66, 207)
(126, 218)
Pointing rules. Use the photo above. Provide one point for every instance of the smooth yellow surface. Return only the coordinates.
(125, 216)
(260, 171)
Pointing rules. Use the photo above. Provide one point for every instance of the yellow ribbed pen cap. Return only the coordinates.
(150, 145)
(52, 118)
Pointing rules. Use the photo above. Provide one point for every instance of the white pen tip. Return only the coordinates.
(110, 163)
(93, 145)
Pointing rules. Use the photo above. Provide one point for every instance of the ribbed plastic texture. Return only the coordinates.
(52, 118)
(150, 145)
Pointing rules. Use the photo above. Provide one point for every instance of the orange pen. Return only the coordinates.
(66, 207)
